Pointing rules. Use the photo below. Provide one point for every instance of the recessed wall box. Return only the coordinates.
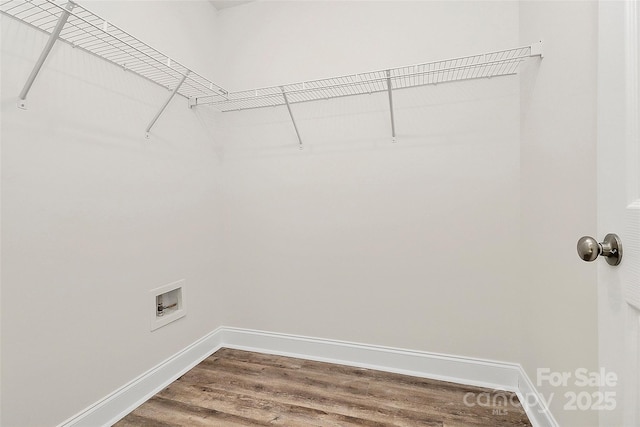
(168, 304)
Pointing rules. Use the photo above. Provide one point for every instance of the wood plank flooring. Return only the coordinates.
(240, 388)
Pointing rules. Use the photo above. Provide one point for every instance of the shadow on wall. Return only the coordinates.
(439, 117)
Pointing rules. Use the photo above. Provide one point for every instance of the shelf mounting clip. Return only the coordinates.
(536, 50)
(286, 102)
(53, 37)
(159, 113)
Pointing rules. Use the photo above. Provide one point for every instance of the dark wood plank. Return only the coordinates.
(135, 420)
(301, 388)
(307, 407)
(240, 388)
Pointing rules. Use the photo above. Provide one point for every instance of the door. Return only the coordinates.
(619, 206)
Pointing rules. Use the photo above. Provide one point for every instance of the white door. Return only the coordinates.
(619, 205)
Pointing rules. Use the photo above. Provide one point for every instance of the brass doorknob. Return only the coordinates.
(611, 248)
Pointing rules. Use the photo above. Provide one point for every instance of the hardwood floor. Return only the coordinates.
(239, 388)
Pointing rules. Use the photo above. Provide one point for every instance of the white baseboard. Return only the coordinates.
(533, 403)
(462, 370)
(482, 373)
(115, 406)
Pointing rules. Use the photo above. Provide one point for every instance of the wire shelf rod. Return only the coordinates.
(383, 78)
(100, 38)
(234, 108)
(379, 79)
(518, 52)
(97, 36)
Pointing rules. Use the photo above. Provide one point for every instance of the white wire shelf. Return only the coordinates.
(485, 65)
(85, 30)
(76, 25)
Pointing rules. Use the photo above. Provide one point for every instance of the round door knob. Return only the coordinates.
(611, 248)
(588, 248)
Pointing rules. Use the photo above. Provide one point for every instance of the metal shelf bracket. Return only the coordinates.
(286, 101)
(53, 37)
(390, 90)
(159, 113)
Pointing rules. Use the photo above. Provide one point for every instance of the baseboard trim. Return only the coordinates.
(118, 404)
(462, 370)
(482, 373)
(533, 402)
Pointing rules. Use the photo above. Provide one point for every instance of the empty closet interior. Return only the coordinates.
(367, 172)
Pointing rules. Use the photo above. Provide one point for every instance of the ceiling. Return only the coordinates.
(224, 4)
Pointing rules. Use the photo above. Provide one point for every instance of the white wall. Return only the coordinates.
(93, 217)
(277, 42)
(558, 108)
(413, 245)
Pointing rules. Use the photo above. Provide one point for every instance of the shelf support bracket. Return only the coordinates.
(53, 37)
(159, 113)
(390, 90)
(286, 101)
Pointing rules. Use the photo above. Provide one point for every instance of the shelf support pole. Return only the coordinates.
(53, 37)
(390, 90)
(286, 101)
(159, 113)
